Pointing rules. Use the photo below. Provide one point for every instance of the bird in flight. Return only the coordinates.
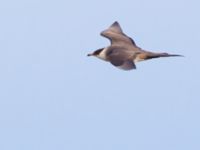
(123, 51)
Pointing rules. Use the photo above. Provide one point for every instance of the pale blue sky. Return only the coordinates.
(55, 97)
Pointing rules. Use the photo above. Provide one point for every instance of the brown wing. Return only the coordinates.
(115, 34)
(120, 58)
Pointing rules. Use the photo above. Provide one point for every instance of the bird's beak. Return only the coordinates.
(89, 54)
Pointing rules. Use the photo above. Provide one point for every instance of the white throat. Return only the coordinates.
(102, 54)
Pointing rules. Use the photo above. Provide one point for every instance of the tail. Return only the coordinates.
(157, 55)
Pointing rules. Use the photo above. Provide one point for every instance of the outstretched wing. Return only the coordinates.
(120, 58)
(115, 34)
(115, 27)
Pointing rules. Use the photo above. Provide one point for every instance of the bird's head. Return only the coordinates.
(96, 52)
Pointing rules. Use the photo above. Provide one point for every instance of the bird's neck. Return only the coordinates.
(102, 54)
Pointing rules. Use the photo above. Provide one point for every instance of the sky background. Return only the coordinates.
(52, 96)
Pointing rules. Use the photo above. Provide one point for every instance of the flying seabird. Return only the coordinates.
(123, 51)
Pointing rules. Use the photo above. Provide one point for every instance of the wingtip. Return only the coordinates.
(116, 23)
(114, 28)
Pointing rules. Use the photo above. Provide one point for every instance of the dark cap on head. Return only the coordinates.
(96, 52)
